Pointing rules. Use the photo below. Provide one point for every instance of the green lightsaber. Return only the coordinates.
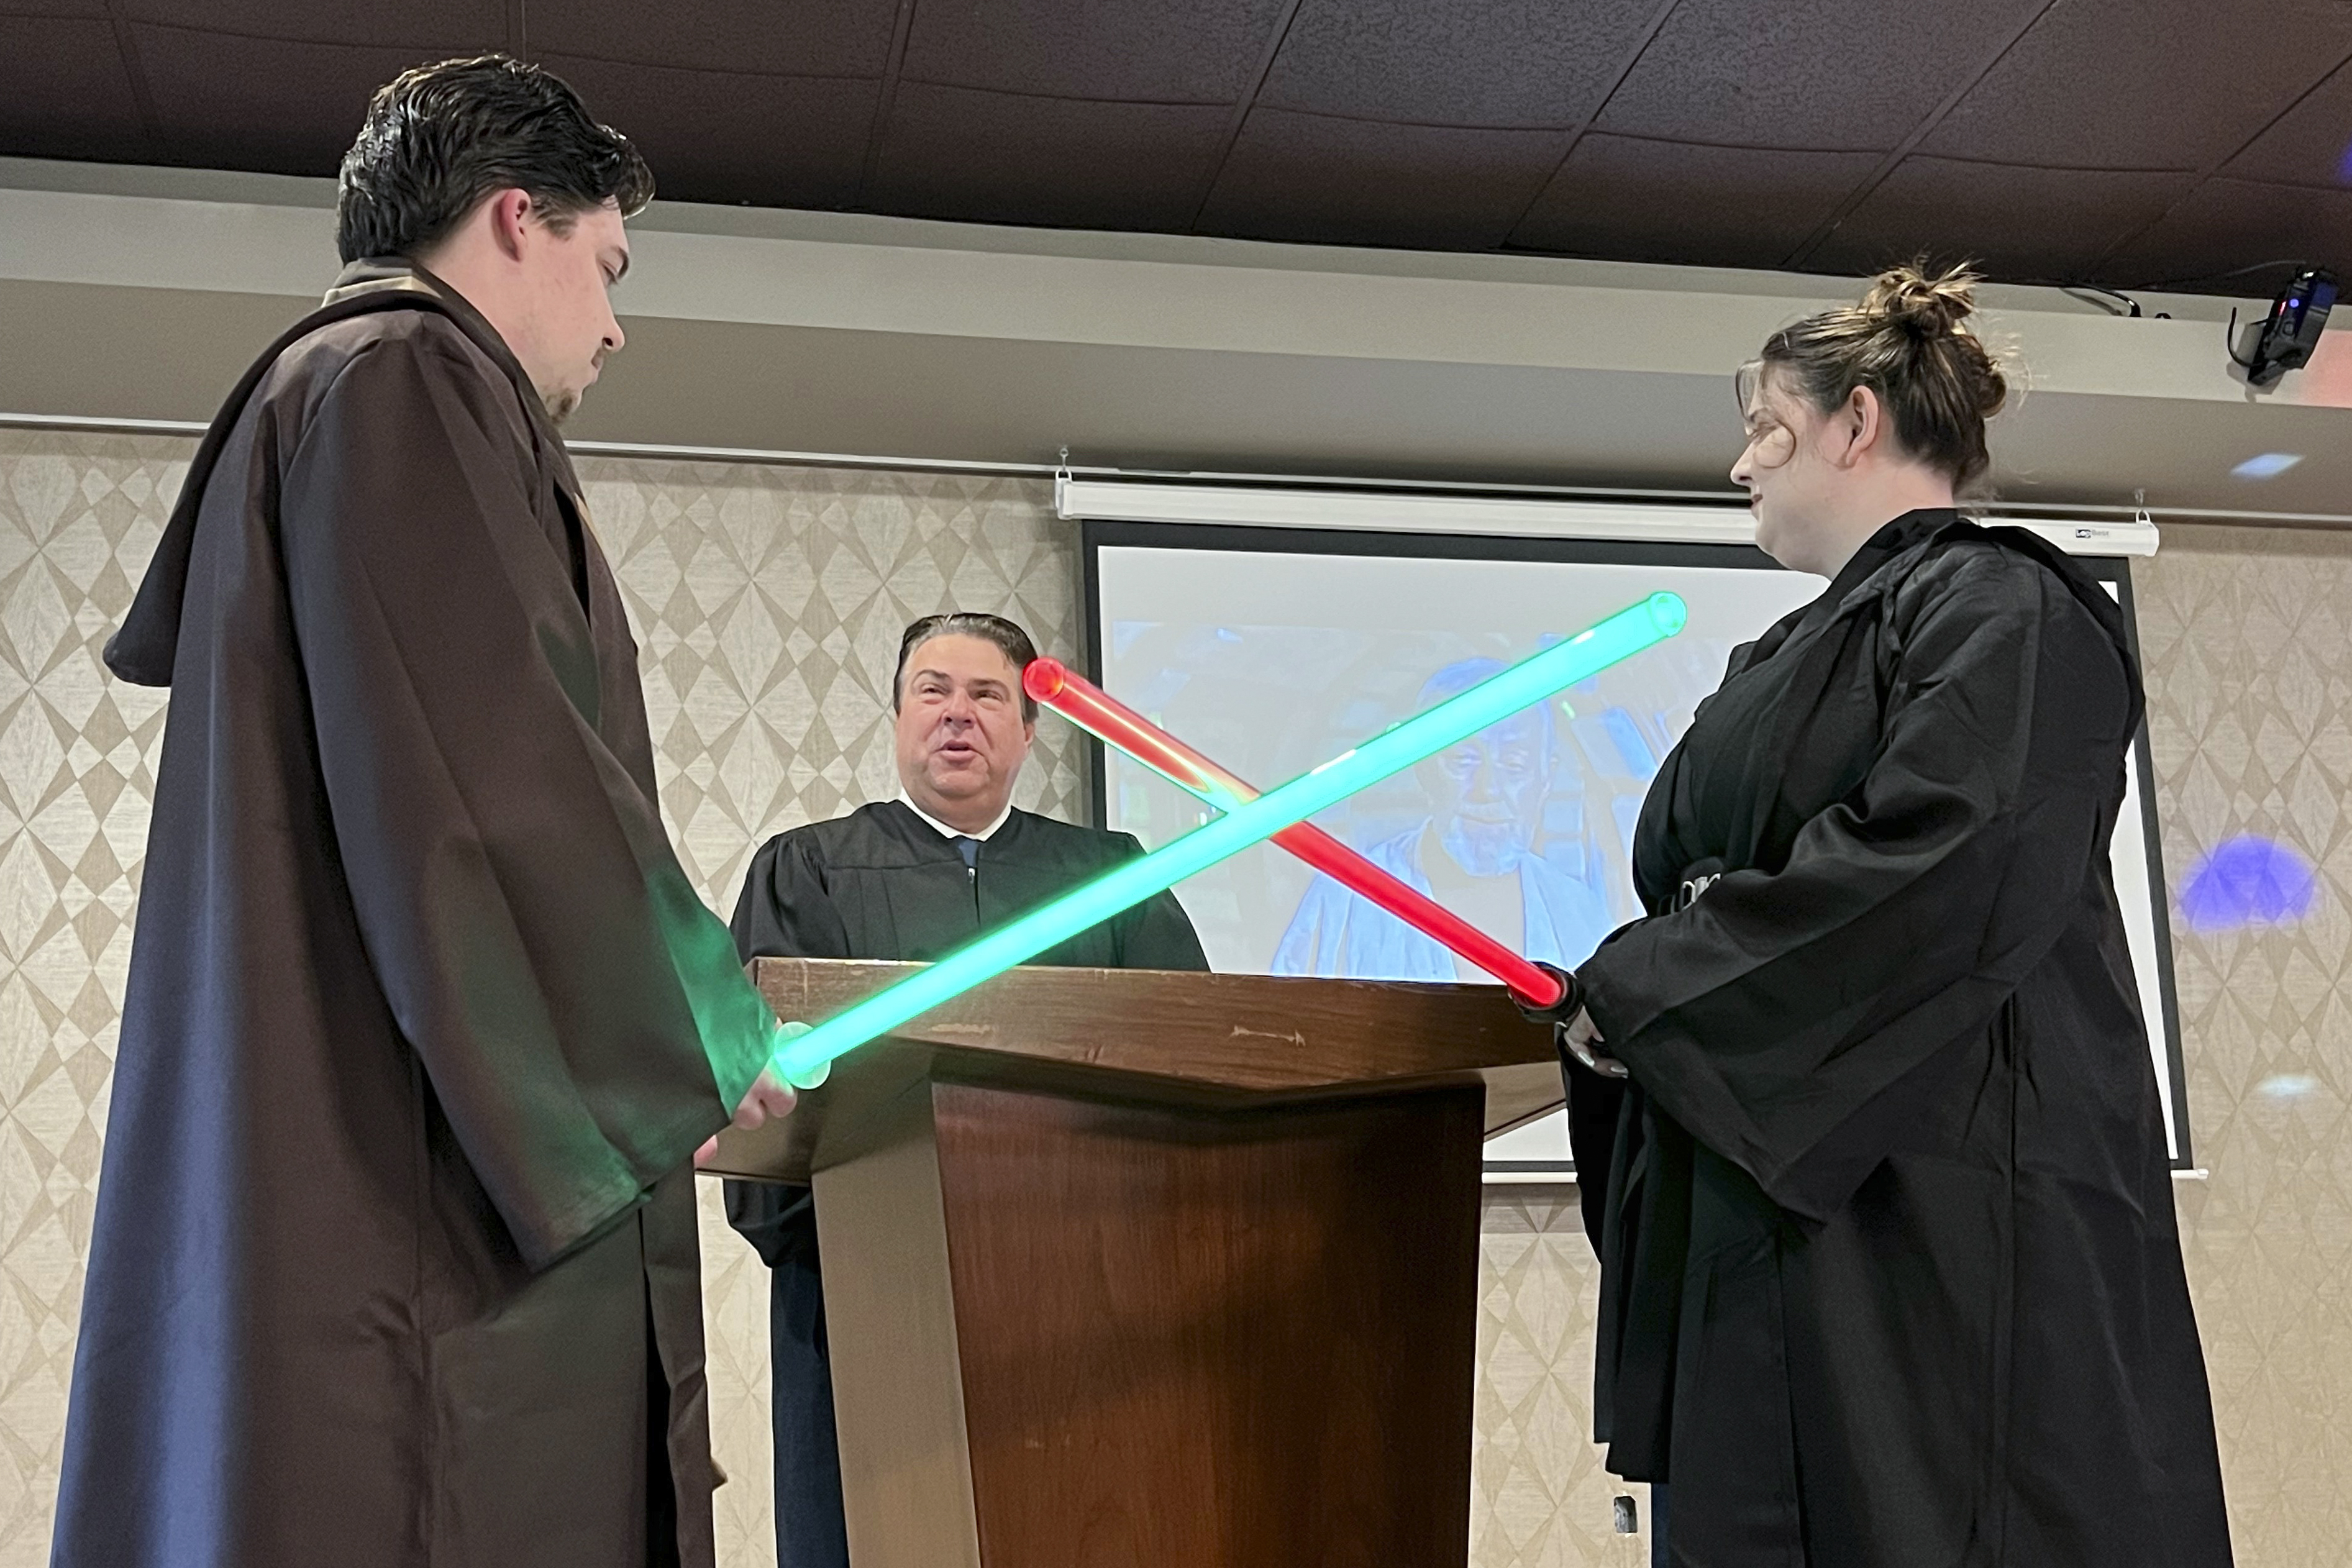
(803, 1058)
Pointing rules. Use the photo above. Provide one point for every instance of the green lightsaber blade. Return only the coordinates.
(804, 1057)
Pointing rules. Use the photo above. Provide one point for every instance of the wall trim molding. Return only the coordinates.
(106, 426)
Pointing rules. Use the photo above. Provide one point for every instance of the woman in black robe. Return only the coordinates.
(1870, 1137)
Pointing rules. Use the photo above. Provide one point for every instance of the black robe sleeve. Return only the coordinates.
(1789, 1018)
(579, 1013)
(783, 912)
(786, 910)
(1156, 933)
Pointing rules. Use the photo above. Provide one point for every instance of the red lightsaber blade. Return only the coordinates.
(1052, 683)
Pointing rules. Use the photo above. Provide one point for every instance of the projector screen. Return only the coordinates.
(1272, 650)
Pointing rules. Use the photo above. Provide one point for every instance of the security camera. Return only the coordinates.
(2284, 339)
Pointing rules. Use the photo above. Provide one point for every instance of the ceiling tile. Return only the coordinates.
(719, 136)
(1632, 200)
(1412, 122)
(434, 29)
(2225, 224)
(995, 157)
(2143, 84)
(1162, 52)
(2310, 144)
(2043, 225)
(1358, 182)
(64, 92)
(1828, 75)
(257, 103)
(806, 38)
(1440, 62)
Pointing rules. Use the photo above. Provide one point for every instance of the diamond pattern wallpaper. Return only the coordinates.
(2247, 641)
(768, 602)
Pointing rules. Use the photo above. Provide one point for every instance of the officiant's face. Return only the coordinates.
(961, 739)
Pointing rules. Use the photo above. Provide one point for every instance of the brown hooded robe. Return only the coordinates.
(396, 1258)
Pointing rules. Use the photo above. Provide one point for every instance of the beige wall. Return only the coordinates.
(768, 602)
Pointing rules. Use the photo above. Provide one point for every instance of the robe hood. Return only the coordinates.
(1915, 534)
(143, 647)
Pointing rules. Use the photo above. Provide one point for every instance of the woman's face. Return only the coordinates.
(1788, 473)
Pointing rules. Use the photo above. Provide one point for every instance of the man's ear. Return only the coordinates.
(511, 211)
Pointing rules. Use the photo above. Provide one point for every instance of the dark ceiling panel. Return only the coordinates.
(2310, 144)
(1831, 75)
(993, 157)
(1357, 182)
(1630, 200)
(65, 93)
(2228, 225)
(2143, 84)
(434, 28)
(2045, 225)
(717, 136)
(1441, 62)
(256, 103)
(1160, 51)
(1742, 128)
(806, 38)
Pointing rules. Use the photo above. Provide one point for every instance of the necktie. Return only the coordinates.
(970, 849)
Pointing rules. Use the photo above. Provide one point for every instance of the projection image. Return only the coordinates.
(1523, 830)
(1272, 660)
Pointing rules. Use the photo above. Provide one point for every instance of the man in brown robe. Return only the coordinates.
(396, 1258)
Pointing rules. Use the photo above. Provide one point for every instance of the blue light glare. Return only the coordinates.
(2248, 881)
(2267, 466)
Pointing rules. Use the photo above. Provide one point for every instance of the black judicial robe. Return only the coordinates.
(1890, 1269)
(396, 1258)
(881, 883)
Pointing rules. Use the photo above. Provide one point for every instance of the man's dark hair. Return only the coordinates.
(439, 139)
(969, 624)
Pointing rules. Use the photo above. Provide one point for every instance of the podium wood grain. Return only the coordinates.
(1125, 1268)
(1149, 1036)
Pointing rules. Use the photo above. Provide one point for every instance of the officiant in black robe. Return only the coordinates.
(1891, 1276)
(396, 1258)
(913, 879)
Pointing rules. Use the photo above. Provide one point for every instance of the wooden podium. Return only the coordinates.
(1134, 1267)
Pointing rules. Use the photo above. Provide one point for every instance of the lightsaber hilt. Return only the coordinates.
(1055, 684)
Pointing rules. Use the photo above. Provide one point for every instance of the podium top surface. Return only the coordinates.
(1149, 1036)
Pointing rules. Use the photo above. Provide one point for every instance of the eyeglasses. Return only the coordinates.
(1770, 444)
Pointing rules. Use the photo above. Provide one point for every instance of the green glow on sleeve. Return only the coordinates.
(800, 1059)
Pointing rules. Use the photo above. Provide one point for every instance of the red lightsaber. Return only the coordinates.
(1051, 682)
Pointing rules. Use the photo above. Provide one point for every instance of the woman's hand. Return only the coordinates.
(1582, 1040)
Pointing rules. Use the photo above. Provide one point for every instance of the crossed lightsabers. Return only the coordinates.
(1113, 722)
(803, 1055)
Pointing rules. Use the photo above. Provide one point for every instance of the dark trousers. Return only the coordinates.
(810, 1531)
(1658, 1557)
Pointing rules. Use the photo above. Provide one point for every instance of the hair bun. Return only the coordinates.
(1927, 305)
(1907, 340)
